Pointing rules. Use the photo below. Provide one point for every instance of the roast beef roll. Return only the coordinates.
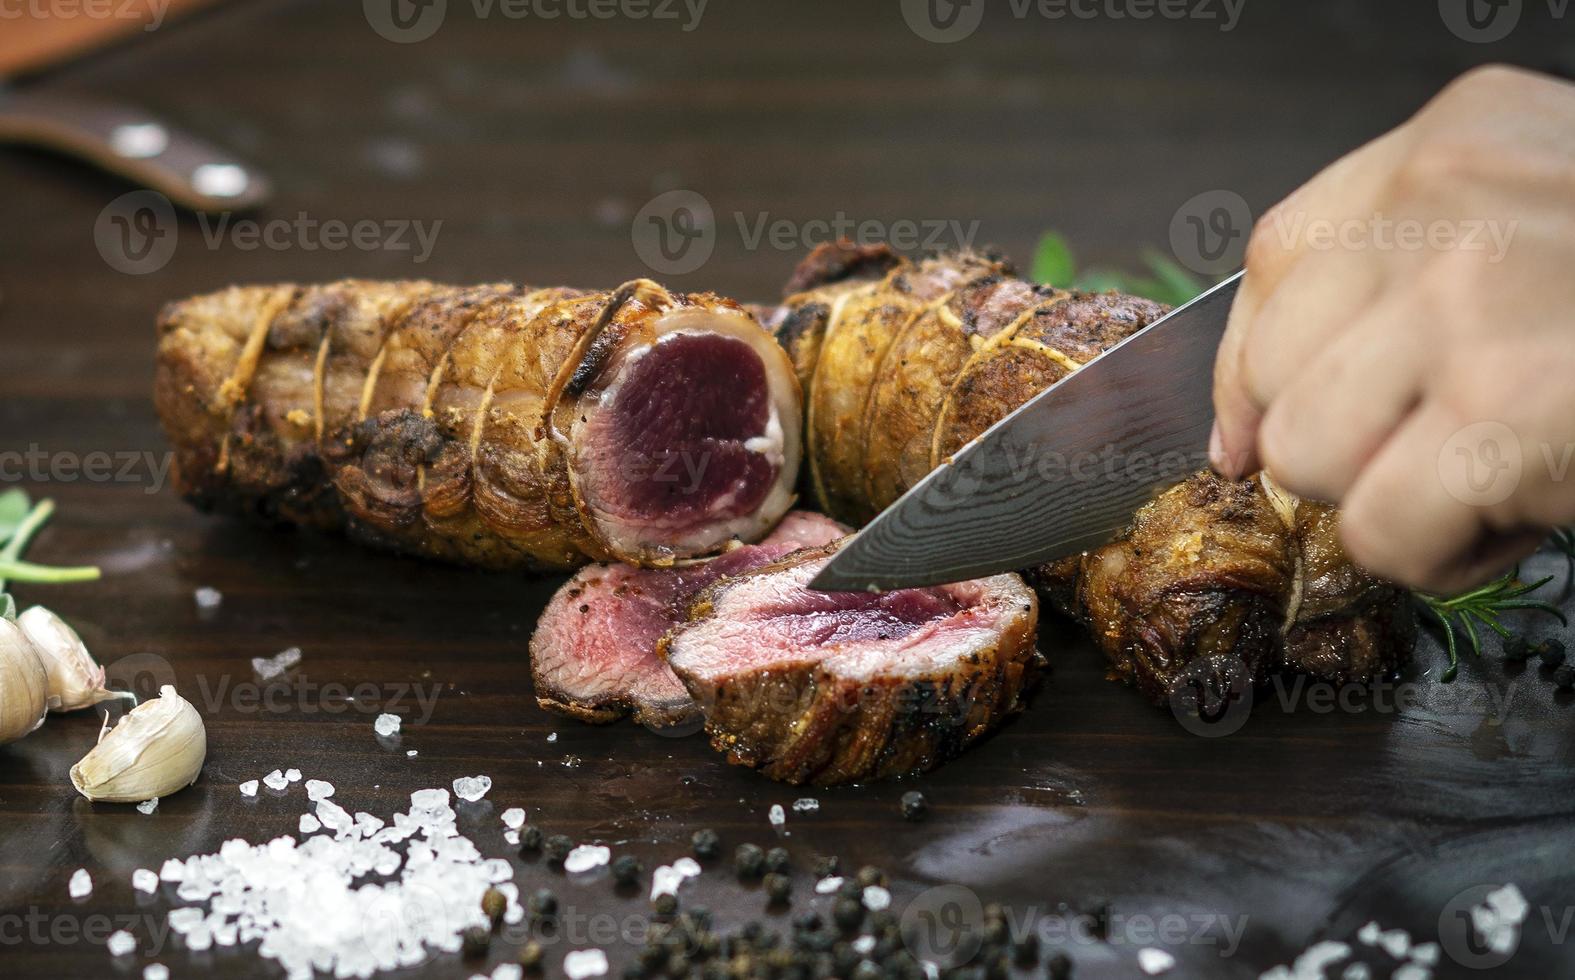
(1219, 584)
(839, 687)
(497, 425)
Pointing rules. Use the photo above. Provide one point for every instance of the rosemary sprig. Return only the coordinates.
(19, 521)
(1484, 605)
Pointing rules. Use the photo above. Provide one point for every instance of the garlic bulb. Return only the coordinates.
(24, 685)
(156, 749)
(75, 678)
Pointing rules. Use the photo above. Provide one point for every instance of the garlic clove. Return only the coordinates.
(155, 750)
(24, 684)
(75, 679)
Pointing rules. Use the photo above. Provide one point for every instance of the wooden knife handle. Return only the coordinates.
(136, 145)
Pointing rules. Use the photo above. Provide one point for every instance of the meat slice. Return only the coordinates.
(593, 655)
(837, 687)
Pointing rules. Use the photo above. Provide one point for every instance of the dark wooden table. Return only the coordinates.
(535, 143)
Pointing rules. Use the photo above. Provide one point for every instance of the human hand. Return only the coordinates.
(1403, 342)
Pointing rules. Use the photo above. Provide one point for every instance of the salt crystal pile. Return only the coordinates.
(581, 963)
(1498, 919)
(144, 880)
(514, 818)
(120, 943)
(249, 788)
(208, 599)
(386, 725)
(318, 789)
(472, 788)
(275, 781)
(81, 884)
(585, 857)
(148, 806)
(776, 815)
(806, 805)
(315, 907)
(267, 668)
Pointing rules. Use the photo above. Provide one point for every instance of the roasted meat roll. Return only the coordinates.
(838, 687)
(1220, 584)
(496, 425)
(903, 363)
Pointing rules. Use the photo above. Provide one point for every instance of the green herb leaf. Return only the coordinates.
(1483, 604)
(1174, 284)
(7, 606)
(14, 506)
(1053, 261)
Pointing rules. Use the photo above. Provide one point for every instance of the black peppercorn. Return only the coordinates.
(531, 956)
(847, 913)
(1058, 966)
(530, 839)
(542, 903)
(914, 805)
(826, 865)
(1564, 677)
(778, 860)
(475, 942)
(558, 847)
(626, 869)
(1551, 651)
(779, 888)
(706, 844)
(749, 860)
(1517, 648)
(665, 904)
(870, 876)
(1025, 951)
(493, 905)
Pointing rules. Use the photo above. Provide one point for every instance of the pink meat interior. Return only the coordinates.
(668, 450)
(814, 619)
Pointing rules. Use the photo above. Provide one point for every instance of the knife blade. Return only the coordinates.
(1062, 473)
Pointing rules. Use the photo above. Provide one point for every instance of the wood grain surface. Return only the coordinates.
(536, 143)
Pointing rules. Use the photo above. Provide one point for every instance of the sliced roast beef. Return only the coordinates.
(837, 687)
(594, 656)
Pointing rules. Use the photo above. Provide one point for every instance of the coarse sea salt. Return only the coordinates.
(155, 971)
(806, 805)
(585, 857)
(148, 806)
(267, 668)
(144, 880)
(172, 870)
(386, 725)
(472, 788)
(1411, 971)
(310, 824)
(581, 963)
(876, 898)
(514, 818)
(410, 753)
(208, 598)
(293, 775)
(120, 943)
(249, 788)
(826, 886)
(276, 781)
(776, 815)
(1155, 961)
(80, 885)
(317, 789)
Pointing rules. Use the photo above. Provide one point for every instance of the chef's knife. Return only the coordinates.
(1061, 474)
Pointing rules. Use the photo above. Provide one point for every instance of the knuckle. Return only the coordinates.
(1267, 250)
